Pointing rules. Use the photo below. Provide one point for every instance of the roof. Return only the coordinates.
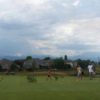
(3, 62)
(68, 61)
(39, 61)
(43, 62)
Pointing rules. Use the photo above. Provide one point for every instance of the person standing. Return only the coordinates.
(82, 73)
(93, 66)
(79, 72)
(49, 74)
(90, 69)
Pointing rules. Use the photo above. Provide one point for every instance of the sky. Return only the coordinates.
(50, 27)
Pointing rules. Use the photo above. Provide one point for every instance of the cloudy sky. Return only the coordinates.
(50, 27)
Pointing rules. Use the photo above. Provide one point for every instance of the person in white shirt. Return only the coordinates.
(90, 69)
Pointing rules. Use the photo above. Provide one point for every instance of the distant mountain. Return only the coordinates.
(12, 57)
(86, 56)
(93, 56)
(24, 57)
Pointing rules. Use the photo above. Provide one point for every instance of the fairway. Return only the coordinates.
(67, 88)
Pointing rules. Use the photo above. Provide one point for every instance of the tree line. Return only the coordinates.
(57, 63)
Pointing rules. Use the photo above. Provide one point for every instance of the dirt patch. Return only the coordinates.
(37, 73)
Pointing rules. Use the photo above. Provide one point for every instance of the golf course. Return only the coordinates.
(17, 87)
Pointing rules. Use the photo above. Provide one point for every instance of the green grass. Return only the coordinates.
(18, 88)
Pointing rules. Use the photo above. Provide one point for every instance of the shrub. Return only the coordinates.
(30, 69)
(62, 76)
(56, 77)
(31, 78)
(67, 66)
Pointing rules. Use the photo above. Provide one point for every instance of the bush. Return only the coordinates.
(31, 78)
(20, 69)
(67, 66)
(30, 69)
(62, 76)
(56, 77)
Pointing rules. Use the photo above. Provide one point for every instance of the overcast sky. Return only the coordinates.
(50, 27)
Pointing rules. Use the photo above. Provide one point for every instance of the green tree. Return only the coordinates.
(20, 63)
(28, 57)
(47, 58)
(0, 68)
(65, 57)
(32, 68)
(67, 66)
(58, 63)
(13, 67)
(83, 63)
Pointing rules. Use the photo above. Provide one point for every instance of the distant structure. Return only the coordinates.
(65, 57)
(37, 63)
(70, 62)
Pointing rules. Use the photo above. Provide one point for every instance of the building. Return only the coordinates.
(38, 63)
(5, 64)
(72, 63)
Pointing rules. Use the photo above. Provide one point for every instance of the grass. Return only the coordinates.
(16, 87)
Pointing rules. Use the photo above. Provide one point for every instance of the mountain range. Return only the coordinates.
(83, 57)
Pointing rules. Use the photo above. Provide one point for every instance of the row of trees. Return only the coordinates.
(59, 63)
(84, 63)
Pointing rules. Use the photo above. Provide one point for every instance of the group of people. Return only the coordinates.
(91, 70)
(80, 72)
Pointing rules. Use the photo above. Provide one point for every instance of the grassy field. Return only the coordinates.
(16, 87)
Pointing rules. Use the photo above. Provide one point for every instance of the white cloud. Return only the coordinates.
(18, 54)
(36, 2)
(45, 24)
(78, 32)
(36, 45)
(23, 10)
(76, 3)
(65, 5)
(24, 2)
(86, 31)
